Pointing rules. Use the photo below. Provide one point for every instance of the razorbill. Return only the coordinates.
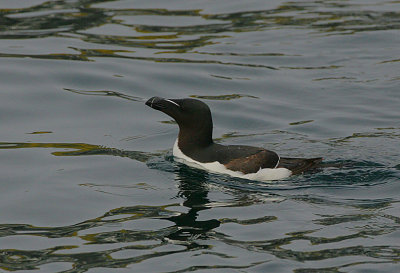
(195, 146)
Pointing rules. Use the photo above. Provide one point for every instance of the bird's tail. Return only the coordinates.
(300, 165)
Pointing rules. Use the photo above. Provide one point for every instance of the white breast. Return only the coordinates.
(266, 174)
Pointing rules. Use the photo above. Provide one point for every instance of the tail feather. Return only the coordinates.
(300, 165)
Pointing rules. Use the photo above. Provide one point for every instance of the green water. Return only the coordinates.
(88, 182)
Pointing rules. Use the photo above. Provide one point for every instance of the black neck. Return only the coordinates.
(193, 138)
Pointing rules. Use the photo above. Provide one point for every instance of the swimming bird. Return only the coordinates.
(195, 146)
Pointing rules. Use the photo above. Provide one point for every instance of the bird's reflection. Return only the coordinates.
(192, 187)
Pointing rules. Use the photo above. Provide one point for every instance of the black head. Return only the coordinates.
(193, 117)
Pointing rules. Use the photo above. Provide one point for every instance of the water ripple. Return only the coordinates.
(89, 182)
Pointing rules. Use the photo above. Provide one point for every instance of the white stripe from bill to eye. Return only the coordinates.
(173, 102)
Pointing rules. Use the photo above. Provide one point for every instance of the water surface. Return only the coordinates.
(87, 177)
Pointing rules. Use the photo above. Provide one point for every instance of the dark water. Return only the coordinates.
(88, 183)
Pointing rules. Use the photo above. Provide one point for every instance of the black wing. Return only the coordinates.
(253, 163)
